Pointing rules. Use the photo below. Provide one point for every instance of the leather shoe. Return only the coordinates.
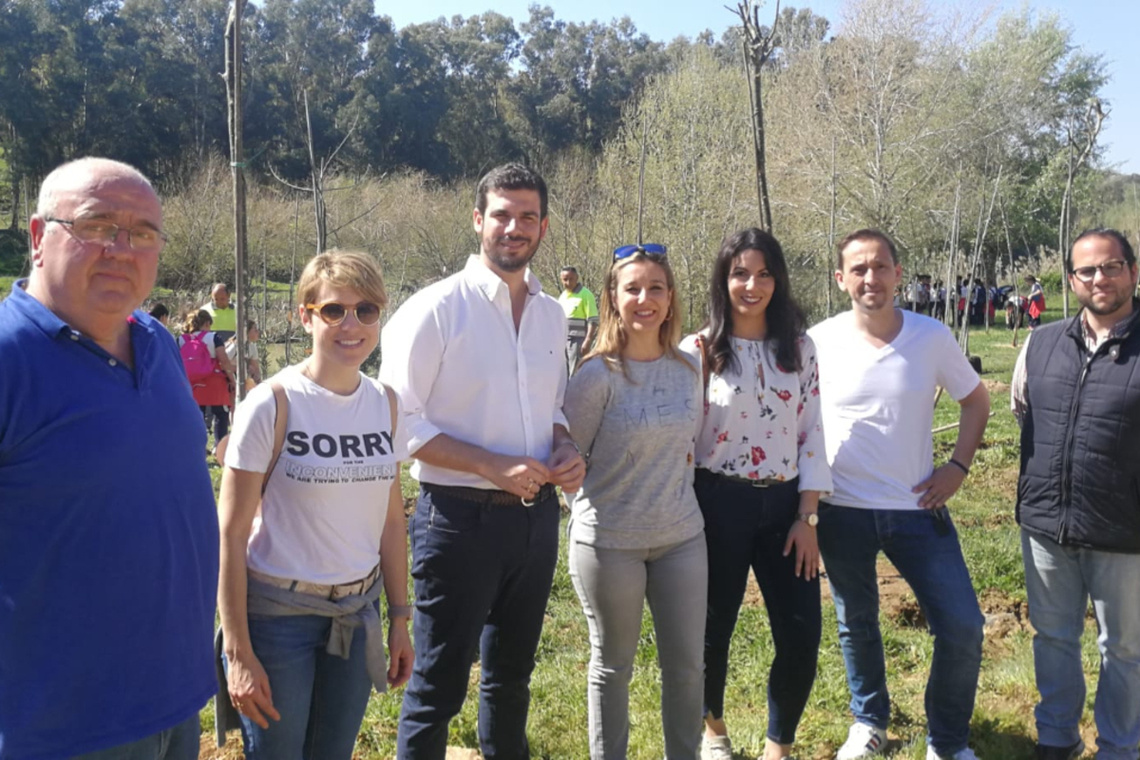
(1072, 752)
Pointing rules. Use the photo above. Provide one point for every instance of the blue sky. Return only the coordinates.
(1107, 27)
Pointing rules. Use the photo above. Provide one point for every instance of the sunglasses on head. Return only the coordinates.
(625, 251)
(332, 313)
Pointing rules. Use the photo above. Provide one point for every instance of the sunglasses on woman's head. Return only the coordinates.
(332, 313)
(625, 251)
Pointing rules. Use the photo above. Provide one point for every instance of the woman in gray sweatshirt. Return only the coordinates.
(636, 531)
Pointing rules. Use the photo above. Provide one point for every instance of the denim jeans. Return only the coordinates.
(928, 556)
(482, 574)
(321, 697)
(178, 742)
(613, 586)
(1059, 580)
(747, 527)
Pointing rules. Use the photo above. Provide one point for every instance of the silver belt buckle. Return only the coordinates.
(760, 484)
(527, 503)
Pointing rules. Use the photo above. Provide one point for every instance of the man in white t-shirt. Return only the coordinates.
(478, 361)
(879, 368)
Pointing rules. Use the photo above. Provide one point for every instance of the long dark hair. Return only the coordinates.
(785, 318)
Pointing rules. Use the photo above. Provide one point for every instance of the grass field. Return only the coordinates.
(1002, 724)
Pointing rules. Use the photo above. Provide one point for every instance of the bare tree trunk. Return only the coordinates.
(15, 223)
(237, 161)
(831, 229)
(27, 207)
(1063, 229)
(262, 358)
(952, 290)
(319, 210)
(984, 217)
(1136, 203)
(758, 48)
(1013, 276)
(1094, 117)
(292, 279)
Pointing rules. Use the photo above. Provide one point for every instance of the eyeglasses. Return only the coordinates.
(332, 313)
(625, 251)
(1109, 269)
(95, 230)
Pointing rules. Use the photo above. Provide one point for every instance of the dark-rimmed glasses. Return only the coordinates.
(625, 251)
(1109, 269)
(105, 233)
(332, 313)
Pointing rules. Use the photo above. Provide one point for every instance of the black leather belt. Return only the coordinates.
(489, 496)
(755, 483)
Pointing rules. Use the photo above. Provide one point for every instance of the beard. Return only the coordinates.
(1105, 308)
(509, 262)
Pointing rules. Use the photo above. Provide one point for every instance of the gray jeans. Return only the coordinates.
(612, 585)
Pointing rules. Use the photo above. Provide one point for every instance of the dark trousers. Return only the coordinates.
(482, 576)
(221, 417)
(746, 527)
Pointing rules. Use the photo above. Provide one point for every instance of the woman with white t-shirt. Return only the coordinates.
(761, 466)
(301, 576)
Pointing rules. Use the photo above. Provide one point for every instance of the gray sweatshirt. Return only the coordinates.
(639, 438)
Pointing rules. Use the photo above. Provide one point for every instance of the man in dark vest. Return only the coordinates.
(1076, 393)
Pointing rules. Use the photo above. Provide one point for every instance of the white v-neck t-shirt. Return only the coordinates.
(878, 406)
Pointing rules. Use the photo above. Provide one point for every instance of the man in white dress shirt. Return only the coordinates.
(478, 360)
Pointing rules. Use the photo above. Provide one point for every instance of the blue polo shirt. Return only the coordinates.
(108, 538)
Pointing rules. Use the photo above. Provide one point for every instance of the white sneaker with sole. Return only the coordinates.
(962, 754)
(863, 741)
(716, 748)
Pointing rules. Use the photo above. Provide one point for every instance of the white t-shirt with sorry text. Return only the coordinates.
(323, 511)
(878, 406)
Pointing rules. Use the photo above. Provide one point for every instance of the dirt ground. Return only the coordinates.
(897, 601)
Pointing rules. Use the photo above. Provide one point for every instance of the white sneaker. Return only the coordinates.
(716, 747)
(863, 741)
(962, 754)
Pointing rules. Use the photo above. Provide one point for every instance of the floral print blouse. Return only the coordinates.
(763, 422)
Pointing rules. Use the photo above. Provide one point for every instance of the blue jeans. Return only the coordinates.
(178, 742)
(928, 556)
(321, 697)
(747, 527)
(1059, 581)
(482, 574)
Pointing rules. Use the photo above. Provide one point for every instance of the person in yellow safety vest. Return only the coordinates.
(581, 316)
(222, 311)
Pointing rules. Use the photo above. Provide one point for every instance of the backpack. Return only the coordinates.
(196, 359)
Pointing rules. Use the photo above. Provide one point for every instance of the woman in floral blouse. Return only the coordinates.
(761, 467)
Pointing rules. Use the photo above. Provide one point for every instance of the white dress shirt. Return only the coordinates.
(460, 367)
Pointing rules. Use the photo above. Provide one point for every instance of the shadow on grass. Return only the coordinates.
(995, 739)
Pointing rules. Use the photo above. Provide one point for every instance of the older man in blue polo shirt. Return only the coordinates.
(108, 532)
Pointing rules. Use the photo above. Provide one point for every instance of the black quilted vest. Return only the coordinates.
(1080, 439)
